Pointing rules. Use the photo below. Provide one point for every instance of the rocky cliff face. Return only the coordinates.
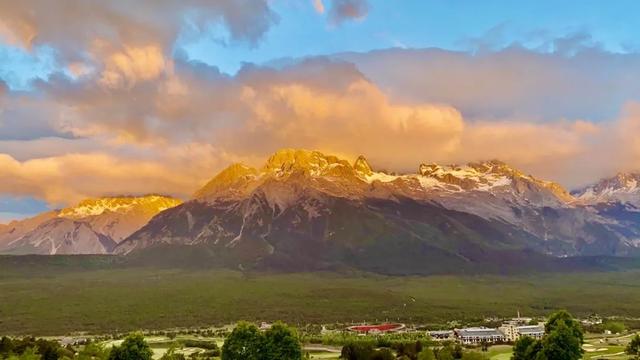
(304, 209)
(13, 231)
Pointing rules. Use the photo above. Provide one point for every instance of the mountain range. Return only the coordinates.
(94, 226)
(307, 210)
(622, 188)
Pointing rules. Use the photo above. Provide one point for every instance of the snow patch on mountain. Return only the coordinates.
(304, 200)
(94, 226)
(451, 178)
(624, 188)
(94, 207)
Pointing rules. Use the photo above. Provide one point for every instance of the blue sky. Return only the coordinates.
(12, 207)
(453, 25)
(554, 92)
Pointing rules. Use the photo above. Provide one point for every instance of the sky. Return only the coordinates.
(105, 98)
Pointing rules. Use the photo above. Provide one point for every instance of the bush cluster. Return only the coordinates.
(562, 341)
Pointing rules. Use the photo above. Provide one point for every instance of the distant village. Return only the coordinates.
(509, 332)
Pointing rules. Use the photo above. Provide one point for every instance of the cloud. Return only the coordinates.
(298, 107)
(72, 177)
(124, 68)
(26, 116)
(68, 178)
(343, 10)
(514, 82)
(72, 25)
(190, 120)
(318, 6)
(147, 122)
(625, 138)
(127, 42)
(354, 116)
(51, 146)
(127, 115)
(183, 101)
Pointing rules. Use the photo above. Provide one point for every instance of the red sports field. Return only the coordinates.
(376, 328)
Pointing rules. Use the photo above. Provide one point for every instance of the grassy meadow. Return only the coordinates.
(55, 299)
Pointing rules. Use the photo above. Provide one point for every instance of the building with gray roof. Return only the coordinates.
(479, 335)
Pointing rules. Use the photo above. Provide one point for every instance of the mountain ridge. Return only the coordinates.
(623, 187)
(304, 210)
(294, 207)
(93, 226)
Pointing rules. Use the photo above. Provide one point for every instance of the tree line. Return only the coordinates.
(409, 351)
(246, 342)
(563, 340)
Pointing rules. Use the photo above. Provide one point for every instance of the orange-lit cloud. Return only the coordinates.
(78, 69)
(132, 64)
(73, 25)
(359, 119)
(626, 138)
(17, 32)
(189, 122)
(318, 5)
(127, 116)
(68, 178)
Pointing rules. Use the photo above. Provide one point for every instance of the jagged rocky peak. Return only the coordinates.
(362, 166)
(119, 204)
(623, 187)
(620, 182)
(473, 169)
(428, 169)
(229, 177)
(495, 167)
(286, 161)
(334, 175)
(93, 226)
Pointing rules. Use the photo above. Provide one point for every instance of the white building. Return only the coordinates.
(512, 331)
(534, 331)
(479, 335)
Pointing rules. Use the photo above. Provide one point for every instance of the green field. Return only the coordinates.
(596, 347)
(48, 299)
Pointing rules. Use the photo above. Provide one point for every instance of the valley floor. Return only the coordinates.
(596, 346)
(55, 300)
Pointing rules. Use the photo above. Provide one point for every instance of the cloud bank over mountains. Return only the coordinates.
(128, 112)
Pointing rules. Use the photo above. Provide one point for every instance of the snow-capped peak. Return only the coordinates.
(315, 163)
(623, 187)
(453, 177)
(331, 174)
(124, 204)
(227, 179)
